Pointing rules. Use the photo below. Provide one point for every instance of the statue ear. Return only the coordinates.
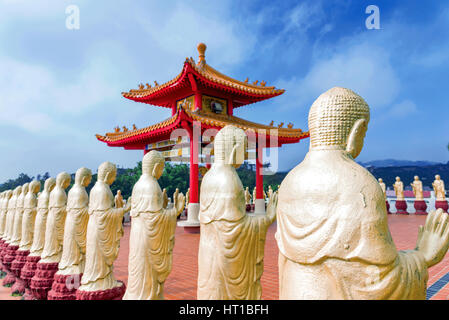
(155, 169)
(233, 152)
(357, 130)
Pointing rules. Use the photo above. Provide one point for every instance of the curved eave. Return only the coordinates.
(249, 93)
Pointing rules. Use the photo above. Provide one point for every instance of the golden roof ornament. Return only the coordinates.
(271, 123)
(280, 125)
(141, 86)
(201, 54)
(263, 83)
(155, 83)
(246, 80)
(148, 86)
(290, 125)
(255, 82)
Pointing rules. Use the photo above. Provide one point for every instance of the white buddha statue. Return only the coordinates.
(333, 234)
(152, 234)
(104, 231)
(231, 250)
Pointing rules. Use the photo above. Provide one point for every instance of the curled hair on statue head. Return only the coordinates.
(150, 160)
(227, 143)
(104, 169)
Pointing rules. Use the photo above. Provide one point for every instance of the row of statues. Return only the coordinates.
(332, 231)
(417, 187)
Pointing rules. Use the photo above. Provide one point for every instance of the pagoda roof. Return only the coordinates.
(151, 133)
(242, 91)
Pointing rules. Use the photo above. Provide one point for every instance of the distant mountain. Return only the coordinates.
(397, 163)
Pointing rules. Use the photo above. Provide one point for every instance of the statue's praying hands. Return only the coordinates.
(178, 201)
(128, 205)
(433, 237)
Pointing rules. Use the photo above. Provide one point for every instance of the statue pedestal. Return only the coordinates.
(192, 224)
(43, 279)
(16, 268)
(27, 273)
(401, 207)
(2, 268)
(420, 207)
(388, 207)
(8, 258)
(442, 204)
(116, 293)
(259, 206)
(64, 287)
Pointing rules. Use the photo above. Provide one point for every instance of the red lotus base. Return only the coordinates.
(28, 270)
(110, 294)
(43, 279)
(64, 287)
(442, 204)
(420, 207)
(2, 268)
(388, 207)
(16, 268)
(401, 207)
(9, 256)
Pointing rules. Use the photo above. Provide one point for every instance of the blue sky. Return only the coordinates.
(60, 87)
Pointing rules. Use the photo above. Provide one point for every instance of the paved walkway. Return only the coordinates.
(181, 284)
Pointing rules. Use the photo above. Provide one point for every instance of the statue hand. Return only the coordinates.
(272, 205)
(128, 205)
(433, 238)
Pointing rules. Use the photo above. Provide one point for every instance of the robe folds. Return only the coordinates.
(3, 212)
(333, 236)
(9, 221)
(40, 224)
(16, 234)
(231, 251)
(28, 220)
(104, 230)
(152, 239)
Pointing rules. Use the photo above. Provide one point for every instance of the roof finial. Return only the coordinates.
(201, 52)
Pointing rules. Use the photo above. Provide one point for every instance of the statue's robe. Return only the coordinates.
(10, 219)
(28, 220)
(16, 234)
(54, 231)
(231, 251)
(151, 241)
(3, 212)
(75, 230)
(104, 231)
(333, 236)
(40, 224)
(438, 187)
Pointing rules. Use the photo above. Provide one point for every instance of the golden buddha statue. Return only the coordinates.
(270, 192)
(104, 231)
(71, 264)
(417, 188)
(152, 234)
(231, 250)
(17, 228)
(28, 219)
(54, 231)
(29, 269)
(247, 196)
(399, 189)
(383, 187)
(164, 198)
(187, 197)
(4, 209)
(41, 218)
(438, 188)
(333, 235)
(118, 200)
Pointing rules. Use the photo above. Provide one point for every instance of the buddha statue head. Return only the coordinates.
(18, 191)
(398, 179)
(25, 188)
(437, 177)
(338, 119)
(83, 176)
(49, 184)
(63, 180)
(381, 180)
(107, 172)
(119, 193)
(230, 145)
(35, 187)
(8, 194)
(416, 178)
(153, 164)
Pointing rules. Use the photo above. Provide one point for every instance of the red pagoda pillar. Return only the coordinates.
(259, 203)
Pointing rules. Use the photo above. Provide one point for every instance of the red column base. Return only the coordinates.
(29, 269)
(116, 293)
(442, 204)
(64, 287)
(192, 229)
(420, 207)
(401, 207)
(43, 279)
(388, 207)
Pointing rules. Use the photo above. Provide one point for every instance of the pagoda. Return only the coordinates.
(202, 101)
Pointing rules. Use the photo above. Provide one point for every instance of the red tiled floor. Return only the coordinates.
(181, 283)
